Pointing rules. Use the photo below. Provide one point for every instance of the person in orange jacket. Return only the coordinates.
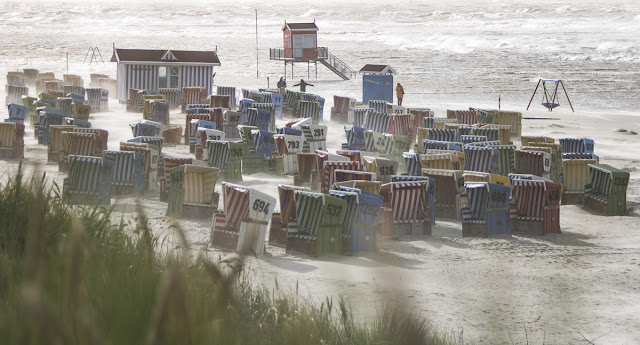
(399, 93)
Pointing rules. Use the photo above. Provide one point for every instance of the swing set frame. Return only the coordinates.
(550, 100)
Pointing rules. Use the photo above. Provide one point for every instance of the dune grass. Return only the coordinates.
(69, 276)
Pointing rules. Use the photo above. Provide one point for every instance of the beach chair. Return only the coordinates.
(128, 172)
(192, 192)
(243, 224)
(89, 181)
(536, 210)
(193, 95)
(449, 191)
(375, 142)
(438, 161)
(56, 142)
(165, 165)
(154, 142)
(278, 232)
(158, 112)
(382, 167)
(14, 93)
(76, 143)
(151, 158)
(468, 139)
(440, 145)
(172, 96)
(228, 91)
(400, 125)
(17, 111)
(341, 108)
(503, 132)
(396, 146)
(575, 175)
(555, 152)
(488, 210)
(606, 192)
(308, 171)
(147, 128)
(511, 118)
(259, 118)
(430, 202)
(576, 145)
(533, 162)
(581, 156)
(264, 142)
(306, 235)
(98, 99)
(102, 138)
(327, 172)
(481, 158)
(405, 209)
(315, 136)
(219, 101)
(340, 175)
(377, 121)
(355, 138)
(11, 140)
(268, 120)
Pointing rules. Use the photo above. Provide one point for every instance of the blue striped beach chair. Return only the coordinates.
(17, 111)
(479, 158)
(89, 181)
(264, 142)
(467, 139)
(218, 153)
(360, 116)
(377, 122)
(439, 145)
(379, 106)
(355, 138)
(488, 210)
(442, 135)
(576, 145)
(128, 171)
(308, 109)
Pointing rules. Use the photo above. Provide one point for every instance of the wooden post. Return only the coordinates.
(534, 93)
(566, 94)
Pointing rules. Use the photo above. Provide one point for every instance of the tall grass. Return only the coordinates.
(69, 276)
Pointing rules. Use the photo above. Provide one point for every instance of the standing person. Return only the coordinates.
(399, 93)
(303, 85)
(282, 85)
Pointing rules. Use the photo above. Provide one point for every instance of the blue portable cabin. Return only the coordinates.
(377, 83)
(162, 69)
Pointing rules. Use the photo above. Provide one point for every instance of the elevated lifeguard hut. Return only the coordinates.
(301, 45)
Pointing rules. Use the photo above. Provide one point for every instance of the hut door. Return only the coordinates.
(298, 44)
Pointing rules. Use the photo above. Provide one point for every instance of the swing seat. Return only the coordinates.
(550, 105)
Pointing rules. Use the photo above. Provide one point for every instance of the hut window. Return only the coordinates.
(168, 77)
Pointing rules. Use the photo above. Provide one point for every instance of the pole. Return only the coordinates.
(498, 102)
(566, 94)
(534, 93)
(67, 62)
(257, 44)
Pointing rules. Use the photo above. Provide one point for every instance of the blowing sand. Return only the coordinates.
(508, 289)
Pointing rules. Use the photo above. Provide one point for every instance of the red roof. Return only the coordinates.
(181, 56)
(301, 26)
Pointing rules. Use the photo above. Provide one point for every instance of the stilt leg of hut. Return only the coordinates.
(316, 63)
(566, 94)
(308, 70)
(534, 93)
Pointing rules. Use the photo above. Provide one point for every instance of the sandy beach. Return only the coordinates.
(496, 290)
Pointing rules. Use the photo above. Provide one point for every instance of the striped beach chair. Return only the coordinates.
(431, 192)
(488, 210)
(264, 142)
(400, 124)
(377, 122)
(98, 99)
(11, 140)
(193, 95)
(56, 143)
(340, 175)
(379, 106)
(76, 143)
(259, 118)
(606, 192)
(315, 137)
(147, 128)
(310, 109)
(14, 93)
(355, 138)
(536, 210)
(575, 177)
(278, 234)
(405, 210)
(17, 111)
(173, 97)
(151, 158)
(468, 139)
(360, 116)
(511, 118)
(382, 167)
(481, 158)
(65, 106)
(219, 101)
(450, 187)
(327, 172)
(102, 138)
(350, 217)
(467, 117)
(438, 161)
(302, 235)
(526, 140)
(396, 145)
(533, 162)
(227, 91)
(89, 181)
(374, 141)
(449, 135)
(192, 191)
(576, 145)
(164, 169)
(128, 172)
(439, 145)
(307, 170)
